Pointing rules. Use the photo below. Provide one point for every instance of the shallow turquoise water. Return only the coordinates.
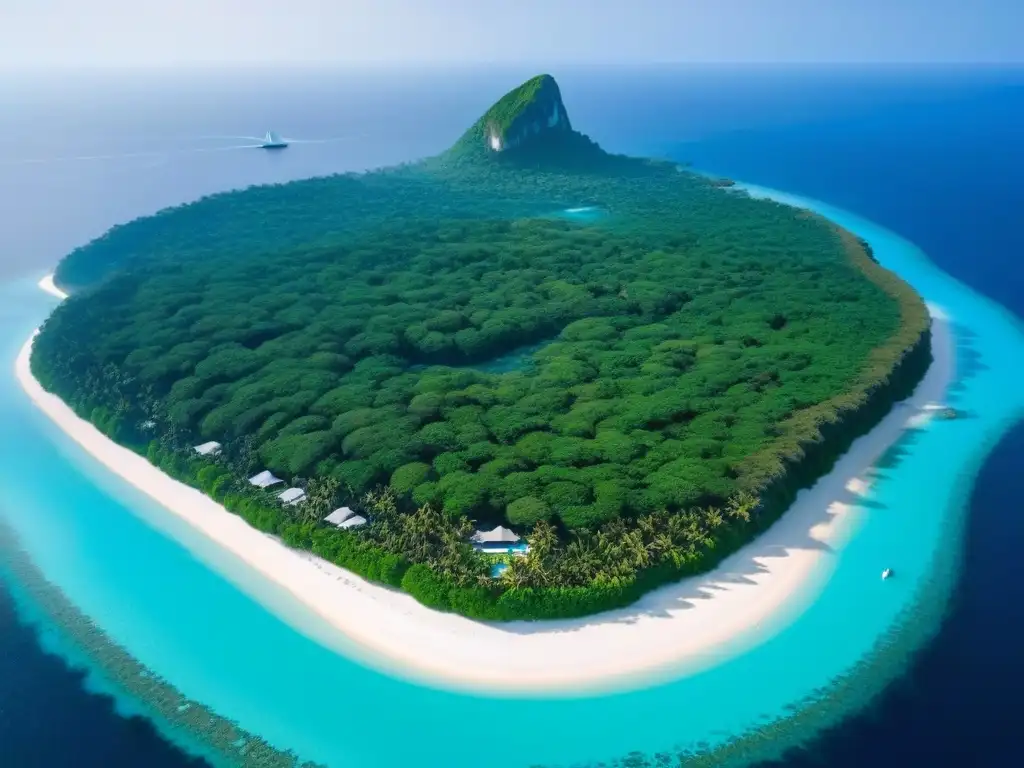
(583, 214)
(497, 569)
(174, 601)
(514, 360)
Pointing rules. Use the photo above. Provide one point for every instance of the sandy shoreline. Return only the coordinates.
(684, 626)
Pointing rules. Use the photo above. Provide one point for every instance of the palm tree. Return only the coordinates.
(417, 532)
(648, 525)
(518, 575)
(580, 561)
(321, 495)
(542, 540)
(635, 552)
(742, 505)
(713, 517)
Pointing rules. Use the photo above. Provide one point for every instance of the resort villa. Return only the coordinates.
(344, 517)
(211, 448)
(264, 479)
(498, 541)
(292, 496)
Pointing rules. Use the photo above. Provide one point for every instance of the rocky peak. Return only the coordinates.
(523, 116)
(531, 110)
(528, 127)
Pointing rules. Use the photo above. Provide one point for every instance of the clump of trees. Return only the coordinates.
(661, 370)
(686, 363)
(427, 553)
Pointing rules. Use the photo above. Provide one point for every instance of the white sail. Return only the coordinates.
(273, 140)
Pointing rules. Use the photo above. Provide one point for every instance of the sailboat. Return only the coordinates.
(273, 141)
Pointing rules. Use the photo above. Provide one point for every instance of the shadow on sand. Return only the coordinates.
(808, 524)
(797, 530)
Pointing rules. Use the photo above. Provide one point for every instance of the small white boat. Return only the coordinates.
(273, 141)
(886, 573)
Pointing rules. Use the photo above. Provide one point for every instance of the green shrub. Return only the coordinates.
(427, 587)
(527, 511)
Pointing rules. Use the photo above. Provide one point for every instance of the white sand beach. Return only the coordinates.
(682, 627)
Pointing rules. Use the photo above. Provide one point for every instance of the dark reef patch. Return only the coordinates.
(222, 740)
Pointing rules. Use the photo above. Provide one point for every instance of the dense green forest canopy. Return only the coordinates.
(684, 344)
(679, 348)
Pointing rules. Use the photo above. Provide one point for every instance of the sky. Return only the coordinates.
(166, 33)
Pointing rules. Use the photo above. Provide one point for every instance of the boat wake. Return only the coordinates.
(323, 141)
(124, 155)
(288, 139)
(252, 142)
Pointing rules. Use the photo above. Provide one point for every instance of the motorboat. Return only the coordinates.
(886, 573)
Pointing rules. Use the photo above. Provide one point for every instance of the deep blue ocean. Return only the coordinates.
(936, 155)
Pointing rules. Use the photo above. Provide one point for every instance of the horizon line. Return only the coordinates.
(78, 68)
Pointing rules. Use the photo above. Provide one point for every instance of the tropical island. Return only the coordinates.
(450, 347)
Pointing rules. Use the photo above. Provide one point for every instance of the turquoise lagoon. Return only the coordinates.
(225, 637)
(583, 214)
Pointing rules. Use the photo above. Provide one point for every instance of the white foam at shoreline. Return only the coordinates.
(51, 288)
(683, 625)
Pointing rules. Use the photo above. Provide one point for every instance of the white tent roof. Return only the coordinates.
(499, 535)
(339, 516)
(265, 479)
(292, 495)
(353, 522)
(207, 448)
